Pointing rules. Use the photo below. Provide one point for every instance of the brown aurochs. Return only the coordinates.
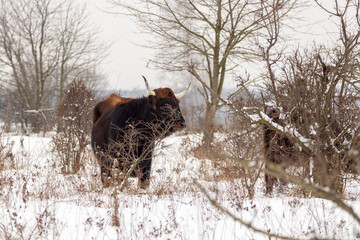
(125, 130)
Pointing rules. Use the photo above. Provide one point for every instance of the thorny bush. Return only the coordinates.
(73, 123)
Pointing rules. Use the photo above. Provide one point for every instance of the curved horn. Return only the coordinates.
(149, 92)
(180, 95)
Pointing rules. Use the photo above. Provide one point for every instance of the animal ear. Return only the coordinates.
(152, 101)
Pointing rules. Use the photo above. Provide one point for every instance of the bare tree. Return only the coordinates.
(205, 38)
(44, 45)
(80, 51)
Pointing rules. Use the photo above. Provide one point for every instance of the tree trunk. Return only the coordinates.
(209, 125)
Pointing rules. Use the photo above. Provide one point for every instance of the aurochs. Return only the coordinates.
(125, 130)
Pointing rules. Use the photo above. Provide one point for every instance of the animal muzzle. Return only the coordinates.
(180, 125)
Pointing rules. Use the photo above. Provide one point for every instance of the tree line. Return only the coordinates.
(44, 45)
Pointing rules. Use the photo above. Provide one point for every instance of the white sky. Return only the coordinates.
(126, 62)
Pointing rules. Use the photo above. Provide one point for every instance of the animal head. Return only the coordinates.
(165, 104)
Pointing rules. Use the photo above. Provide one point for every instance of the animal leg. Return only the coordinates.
(106, 169)
(144, 175)
(269, 183)
(105, 177)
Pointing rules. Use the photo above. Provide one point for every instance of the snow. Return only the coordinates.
(38, 202)
(261, 116)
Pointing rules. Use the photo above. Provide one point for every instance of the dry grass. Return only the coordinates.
(6, 154)
(216, 162)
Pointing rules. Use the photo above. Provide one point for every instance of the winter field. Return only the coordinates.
(37, 201)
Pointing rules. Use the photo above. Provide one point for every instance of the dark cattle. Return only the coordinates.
(106, 105)
(281, 151)
(278, 149)
(117, 120)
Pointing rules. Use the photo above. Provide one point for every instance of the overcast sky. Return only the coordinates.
(126, 61)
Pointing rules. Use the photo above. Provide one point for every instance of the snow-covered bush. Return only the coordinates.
(315, 106)
(310, 99)
(73, 122)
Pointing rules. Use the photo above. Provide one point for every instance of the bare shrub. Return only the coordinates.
(216, 160)
(6, 152)
(245, 151)
(73, 123)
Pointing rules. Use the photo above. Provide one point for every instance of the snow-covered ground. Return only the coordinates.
(37, 201)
